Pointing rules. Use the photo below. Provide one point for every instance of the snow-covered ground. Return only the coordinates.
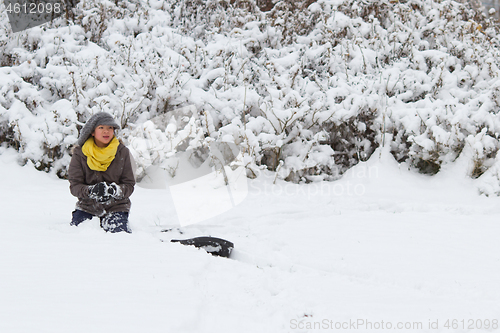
(382, 248)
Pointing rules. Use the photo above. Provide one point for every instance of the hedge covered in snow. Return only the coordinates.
(307, 92)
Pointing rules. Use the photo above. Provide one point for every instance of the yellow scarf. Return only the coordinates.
(98, 158)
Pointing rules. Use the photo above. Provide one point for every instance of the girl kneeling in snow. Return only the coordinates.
(101, 176)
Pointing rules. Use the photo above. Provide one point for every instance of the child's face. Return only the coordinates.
(103, 135)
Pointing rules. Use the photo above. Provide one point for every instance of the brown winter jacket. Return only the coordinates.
(119, 171)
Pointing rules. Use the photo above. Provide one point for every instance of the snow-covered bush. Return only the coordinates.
(307, 89)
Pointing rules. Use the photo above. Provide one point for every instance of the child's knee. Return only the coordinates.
(78, 216)
(115, 222)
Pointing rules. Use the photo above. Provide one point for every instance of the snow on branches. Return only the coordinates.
(304, 91)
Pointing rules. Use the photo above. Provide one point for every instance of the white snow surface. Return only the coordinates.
(383, 245)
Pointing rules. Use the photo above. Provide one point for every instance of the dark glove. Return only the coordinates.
(99, 192)
(113, 190)
(103, 192)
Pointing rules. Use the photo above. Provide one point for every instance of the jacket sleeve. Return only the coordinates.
(76, 177)
(127, 179)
